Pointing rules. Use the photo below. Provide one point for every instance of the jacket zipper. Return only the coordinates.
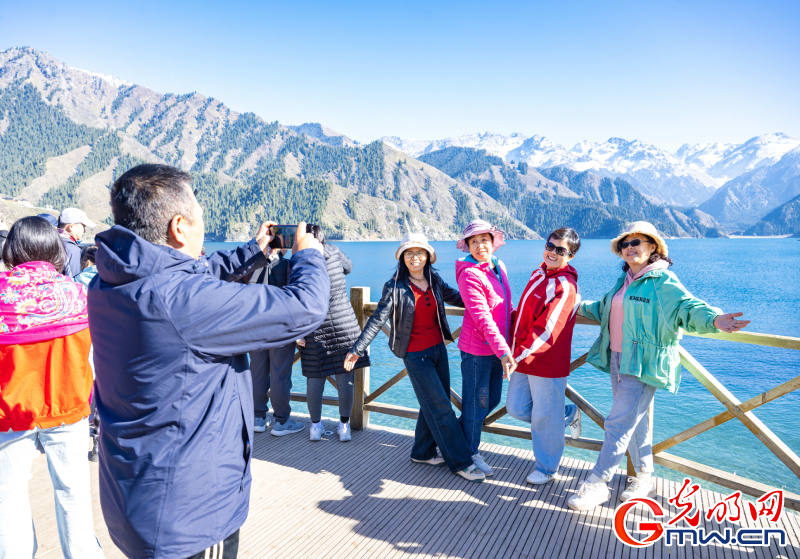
(433, 292)
(635, 359)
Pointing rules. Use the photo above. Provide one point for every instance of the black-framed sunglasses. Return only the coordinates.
(561, 251)
(634, 243)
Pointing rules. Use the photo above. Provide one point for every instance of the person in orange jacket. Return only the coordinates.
(45, 383)
(541, 345)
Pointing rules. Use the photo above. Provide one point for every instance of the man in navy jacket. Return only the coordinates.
(171, 330)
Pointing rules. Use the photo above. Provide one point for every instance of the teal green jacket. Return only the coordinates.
(656, 307)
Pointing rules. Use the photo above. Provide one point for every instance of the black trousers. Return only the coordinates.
(226, 549)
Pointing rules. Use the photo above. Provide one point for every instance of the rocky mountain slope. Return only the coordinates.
(756, 192)
(546, 199)
(686, 178)
(65, 134)
(784, 220)
(728, 161)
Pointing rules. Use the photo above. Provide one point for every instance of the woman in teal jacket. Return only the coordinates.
(640, 322)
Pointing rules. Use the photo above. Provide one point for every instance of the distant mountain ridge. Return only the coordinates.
(594, 205)
(728, 161)
(756, 192)
(686, 178)
(494, 144)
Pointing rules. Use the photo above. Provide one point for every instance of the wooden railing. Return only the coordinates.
(365, 402)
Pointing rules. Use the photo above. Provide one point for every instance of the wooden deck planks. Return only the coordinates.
(366, 499)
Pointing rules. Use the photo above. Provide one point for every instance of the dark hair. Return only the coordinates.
(655, 257)
(32, 239)
(403, 271)
(569, 235)
(147, 197)
(317, 231)
(484, 233)
(88, 255)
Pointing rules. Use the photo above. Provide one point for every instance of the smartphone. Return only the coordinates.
(282, 236)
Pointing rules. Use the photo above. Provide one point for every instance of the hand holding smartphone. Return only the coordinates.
(293, 237)
(282, 236)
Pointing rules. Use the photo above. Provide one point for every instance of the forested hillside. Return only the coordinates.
(66, 134)
(784, 220)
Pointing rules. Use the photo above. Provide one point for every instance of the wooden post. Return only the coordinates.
(360, 418)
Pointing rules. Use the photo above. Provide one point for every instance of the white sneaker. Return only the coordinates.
(636, 489)
(344, 432)
(437, 460)
(316, 431)
(261, 424)
(589, 496)
(472, 473)
(575, 427)
(538, 478)
(478, 460)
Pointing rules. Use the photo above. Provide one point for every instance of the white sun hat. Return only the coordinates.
(478, 226)
(644, 228)
(415, 240)
(75, 215)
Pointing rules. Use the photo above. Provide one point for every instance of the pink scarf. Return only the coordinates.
(38, 304)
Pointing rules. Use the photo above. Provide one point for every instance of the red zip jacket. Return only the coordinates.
(543, 322)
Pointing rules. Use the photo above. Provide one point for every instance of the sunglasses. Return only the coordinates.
(561, 251)
(634, 243)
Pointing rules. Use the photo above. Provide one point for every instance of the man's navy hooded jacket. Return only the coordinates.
(173, 387)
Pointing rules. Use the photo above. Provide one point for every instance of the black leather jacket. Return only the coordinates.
(397, 303)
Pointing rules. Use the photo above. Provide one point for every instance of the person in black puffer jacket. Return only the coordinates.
(322, 353)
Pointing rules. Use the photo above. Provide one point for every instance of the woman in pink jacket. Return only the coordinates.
(485, 354)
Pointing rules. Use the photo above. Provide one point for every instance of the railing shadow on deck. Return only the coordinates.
(365, 403)
(375, 502)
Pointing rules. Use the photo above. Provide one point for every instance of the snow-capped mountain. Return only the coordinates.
(654, 170)
(658, 173)
(735, 160)
(753, 194)
(494, 144)
(539, 151)
(756, 152)
(704, 156)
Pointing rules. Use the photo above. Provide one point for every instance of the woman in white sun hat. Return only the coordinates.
(485, 353)
(414, 302)
(640, 322)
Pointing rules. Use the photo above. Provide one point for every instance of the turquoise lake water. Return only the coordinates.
(756, 276)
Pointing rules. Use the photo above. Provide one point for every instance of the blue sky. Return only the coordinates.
(664, 72)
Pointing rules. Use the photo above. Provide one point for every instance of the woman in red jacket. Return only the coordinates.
(541, 344)
(45, 381)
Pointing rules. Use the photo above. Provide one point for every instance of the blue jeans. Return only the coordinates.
(481, 391)
(540, 402)
(627, 427)
(437, 425)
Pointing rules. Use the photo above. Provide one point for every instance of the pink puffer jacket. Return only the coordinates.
(487, 307)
